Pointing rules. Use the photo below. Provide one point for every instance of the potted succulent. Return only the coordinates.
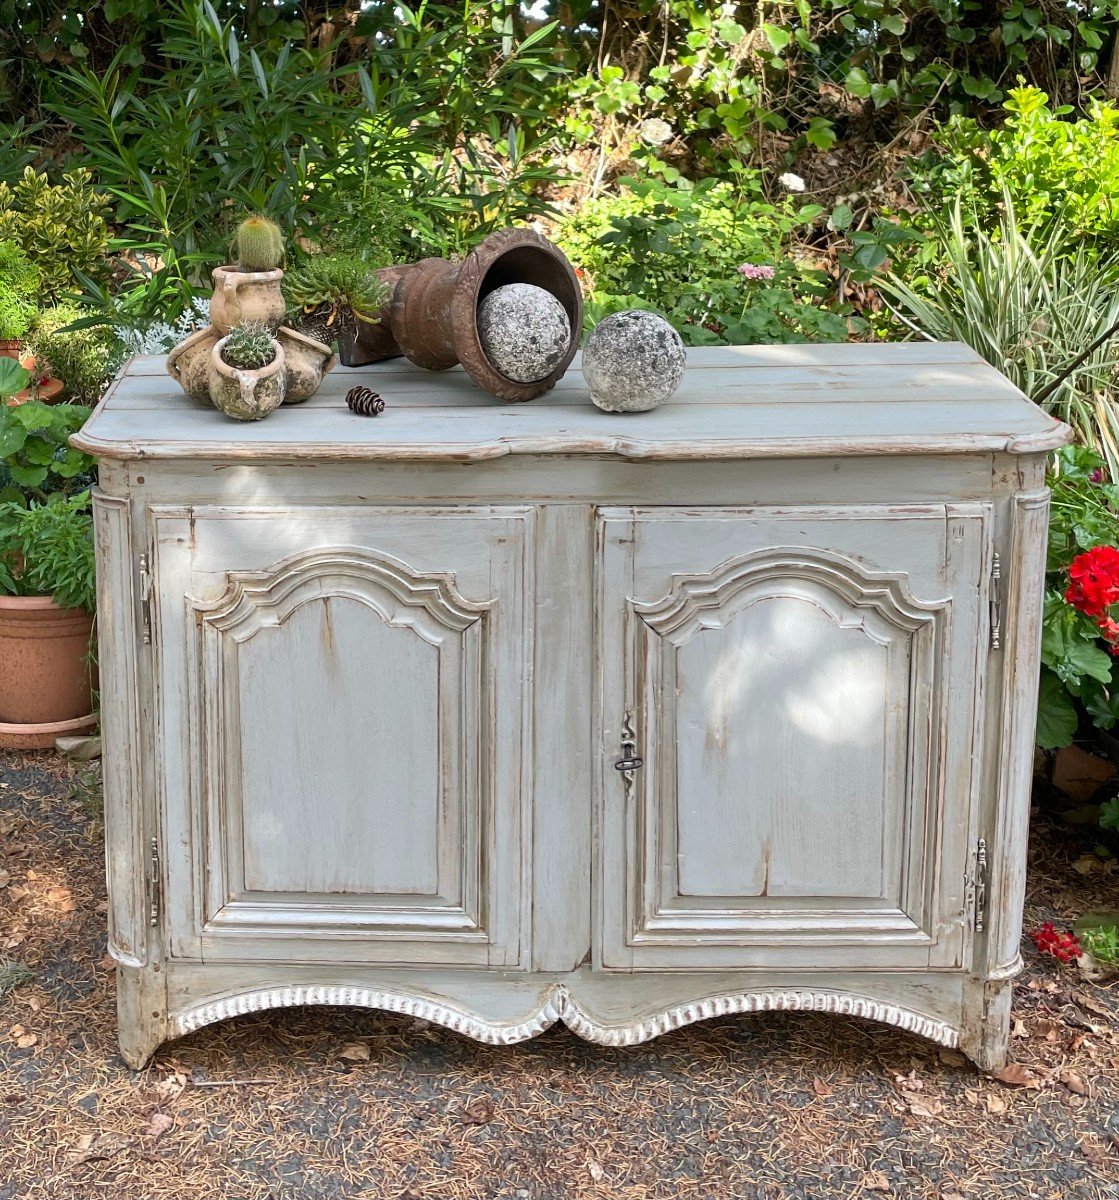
(247, 379)
(249, 290)
(46, 576)
(337, 297)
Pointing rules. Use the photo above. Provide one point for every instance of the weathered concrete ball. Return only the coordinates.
(524, 331)
(633, 361)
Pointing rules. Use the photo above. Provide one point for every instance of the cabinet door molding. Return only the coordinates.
(794, 709)
(349, 791)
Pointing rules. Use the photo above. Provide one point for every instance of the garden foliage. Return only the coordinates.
(676, 246)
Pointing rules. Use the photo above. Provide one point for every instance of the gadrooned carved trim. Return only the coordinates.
(560, 1005)
(258, 599)
(698, 600)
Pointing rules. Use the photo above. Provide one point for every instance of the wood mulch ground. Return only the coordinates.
(325, 1103)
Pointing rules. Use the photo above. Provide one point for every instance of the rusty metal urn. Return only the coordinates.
(433, 313)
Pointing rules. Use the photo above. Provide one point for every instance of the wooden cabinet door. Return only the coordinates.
(803, 688)
(343, 728)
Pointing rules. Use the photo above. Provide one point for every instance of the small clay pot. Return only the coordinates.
(189, 363)
(246, 296)
(246, 395)
(9, 348)
(307, 361)
(45, 684)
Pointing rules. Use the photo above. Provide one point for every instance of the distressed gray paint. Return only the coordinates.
(372, 736)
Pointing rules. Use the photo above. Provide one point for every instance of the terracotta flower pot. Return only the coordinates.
(246, 395)
(47, 391)
(9, 348)
(244, 296)
(189, 363)
(434, 310)
(306, 361)
(45, 684)
(372, 341)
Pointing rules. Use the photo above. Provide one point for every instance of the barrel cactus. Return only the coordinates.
(249, 347)
(259, 244)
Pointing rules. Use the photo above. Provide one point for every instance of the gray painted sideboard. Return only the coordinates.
(502, 715)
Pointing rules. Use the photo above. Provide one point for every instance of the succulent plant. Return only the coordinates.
(249, 347)
(259, 244)
(337, 287)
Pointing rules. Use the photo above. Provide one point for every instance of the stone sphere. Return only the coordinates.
(524, 331)
(633, 361)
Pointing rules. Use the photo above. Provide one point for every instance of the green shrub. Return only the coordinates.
(675, 246)
(1054, 169)
(85, 359)
(61, 228)
(19, 287)
(46, 549)
(35, 460)
(1029, 300)
(438, 104)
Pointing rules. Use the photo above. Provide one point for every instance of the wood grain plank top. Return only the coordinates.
(735, 403)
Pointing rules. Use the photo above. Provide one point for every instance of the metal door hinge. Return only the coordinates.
(977, 887)
(154, 886)
(995, 601)
(146, 599)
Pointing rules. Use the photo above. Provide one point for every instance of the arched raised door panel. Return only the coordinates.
(355, 753)
(805, 712)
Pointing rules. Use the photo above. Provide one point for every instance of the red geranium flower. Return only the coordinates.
(1094, 581)
(1062, 946)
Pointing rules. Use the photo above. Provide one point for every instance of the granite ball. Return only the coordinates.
(524, 330)
(632, 362)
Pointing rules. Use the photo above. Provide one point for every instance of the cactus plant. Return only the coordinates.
(259, 245)
(249, 347)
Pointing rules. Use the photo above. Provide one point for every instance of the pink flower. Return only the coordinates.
(756, 271)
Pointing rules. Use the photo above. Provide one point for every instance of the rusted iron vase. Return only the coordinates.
(432, 316)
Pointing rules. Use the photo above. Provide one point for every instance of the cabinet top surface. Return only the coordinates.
(735, 403)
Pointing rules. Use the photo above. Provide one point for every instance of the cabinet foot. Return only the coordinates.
(985, 1037)
(141, 1014)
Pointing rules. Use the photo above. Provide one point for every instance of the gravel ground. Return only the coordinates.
(322, 1104)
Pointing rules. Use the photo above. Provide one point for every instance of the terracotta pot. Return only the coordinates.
(243, 296)
(9, 348)
(49, 390)
(434, 310)
(189, 363)
(246, 395)
(373, 340)
(45, 685)
(306, 361)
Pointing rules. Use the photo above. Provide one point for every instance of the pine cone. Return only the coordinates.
(364, 401)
